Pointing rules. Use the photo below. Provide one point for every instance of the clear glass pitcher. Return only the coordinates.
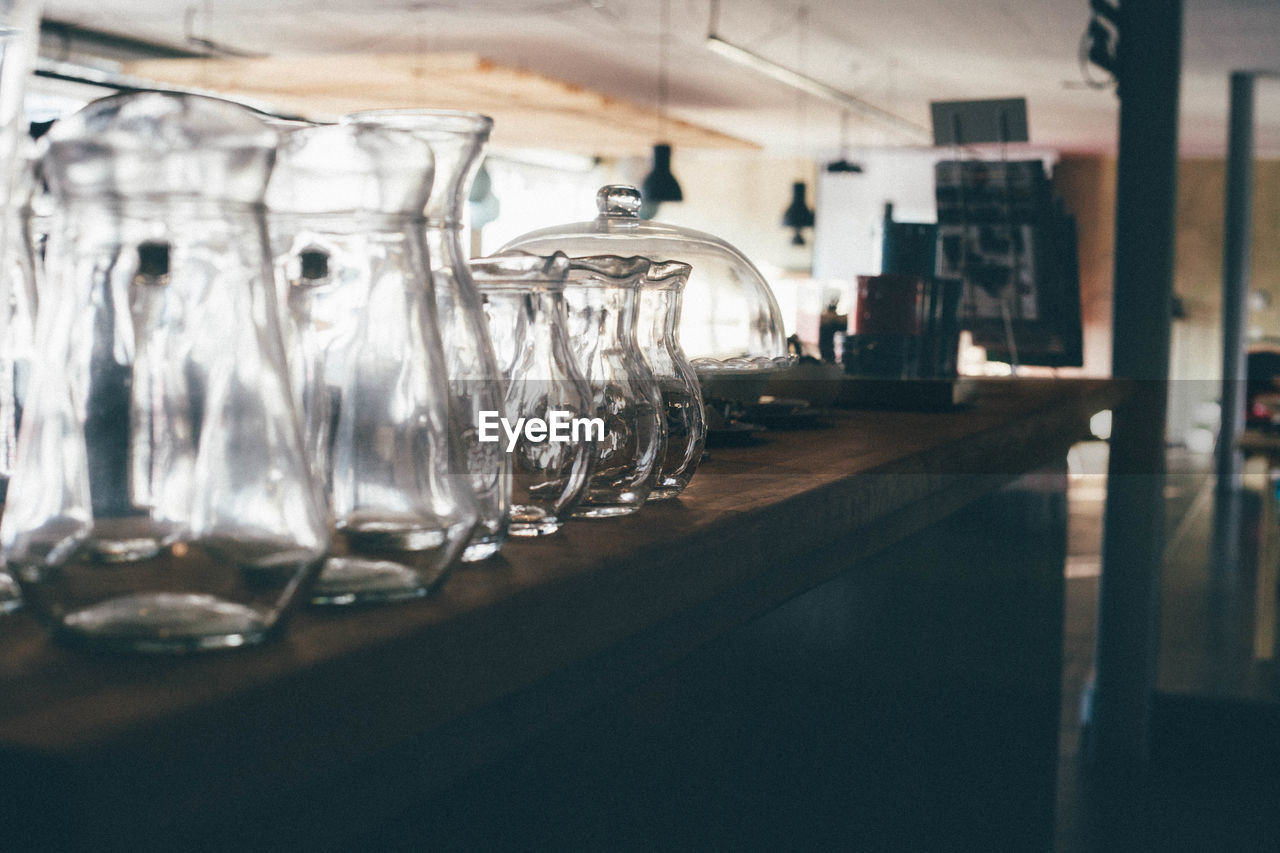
(458, 139)
(19, 37)
(551, 458)
(602, 296)
(161, 500)
(18, 302)
(659, 338)
(345, 216)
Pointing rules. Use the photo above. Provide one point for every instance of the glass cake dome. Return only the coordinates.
(730, 323)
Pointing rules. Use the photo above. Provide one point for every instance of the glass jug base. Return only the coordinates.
(10, 598)
(166, 623)
(665, 493)
(355, 580)
(482, 549)
(605, 511)
(542, 527)
(533, 521)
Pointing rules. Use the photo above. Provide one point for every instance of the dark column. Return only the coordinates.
(1236, 246)
(1146, 194)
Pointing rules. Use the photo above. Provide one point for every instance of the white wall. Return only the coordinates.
(851, 207)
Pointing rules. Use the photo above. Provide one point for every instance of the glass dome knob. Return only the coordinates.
(618, 200)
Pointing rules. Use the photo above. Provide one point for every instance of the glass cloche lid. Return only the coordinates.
(730, 320)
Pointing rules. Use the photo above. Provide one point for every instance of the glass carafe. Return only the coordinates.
(19, 38)
(18, 301)
(659, 330)
(161, 499)
(602, 296)
(345, 216)
(458, 139)
(551, 460)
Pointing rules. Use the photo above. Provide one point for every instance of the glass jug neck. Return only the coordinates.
(457, 158)
(621, 322)
(659, 316)
(445, 245)
(534, 298)
(171, 208)
(353, 222)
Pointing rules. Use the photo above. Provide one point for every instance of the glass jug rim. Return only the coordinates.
(237, 123)
(608, 270)
(425, 120)
(519, 270)
(334, 156)
(667, 275)
(159, 146)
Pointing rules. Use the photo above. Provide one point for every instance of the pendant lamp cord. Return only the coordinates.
(802, 48)
(663, 36)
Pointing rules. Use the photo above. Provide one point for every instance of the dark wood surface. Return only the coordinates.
(1216, 707)
(343, 687)
(878, 711)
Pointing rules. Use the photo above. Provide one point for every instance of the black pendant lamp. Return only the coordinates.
(844, 166)
(798, 215)
(660, 185)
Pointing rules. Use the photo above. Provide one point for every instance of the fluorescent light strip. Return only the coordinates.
(808, 85)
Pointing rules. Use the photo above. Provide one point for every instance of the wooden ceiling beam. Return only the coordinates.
(530, 110)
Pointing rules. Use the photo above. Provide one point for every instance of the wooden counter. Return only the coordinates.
(96, 747)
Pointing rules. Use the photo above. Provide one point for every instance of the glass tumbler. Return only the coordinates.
(345, 216)
(160, 500)
(602, 295)
(549, 436)
(659, 330)
(457, 140)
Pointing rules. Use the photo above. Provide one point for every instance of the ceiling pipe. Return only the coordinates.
(749, 59)
(58, 38)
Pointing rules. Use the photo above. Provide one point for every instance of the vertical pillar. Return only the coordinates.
(1236, 246)
(1150, 63)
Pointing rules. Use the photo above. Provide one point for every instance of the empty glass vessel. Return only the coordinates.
(161, 499)
(345, 215)
(18, 300)
(458, 139)
(551, 459)
(602, 296)
(658, 334)
(19, 37)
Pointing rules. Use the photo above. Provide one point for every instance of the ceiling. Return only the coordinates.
(896, 54)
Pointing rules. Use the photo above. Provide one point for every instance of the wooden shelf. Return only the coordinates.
(102, 743)
(1216, 708)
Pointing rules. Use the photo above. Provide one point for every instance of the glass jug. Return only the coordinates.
(345, 215)
(458, 139)
(659, 330)
(524, 303)
(602, 296)
(161, 500)
(18, 300)
(19, 38)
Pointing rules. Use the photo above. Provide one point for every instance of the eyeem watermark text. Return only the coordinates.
(558, 426)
